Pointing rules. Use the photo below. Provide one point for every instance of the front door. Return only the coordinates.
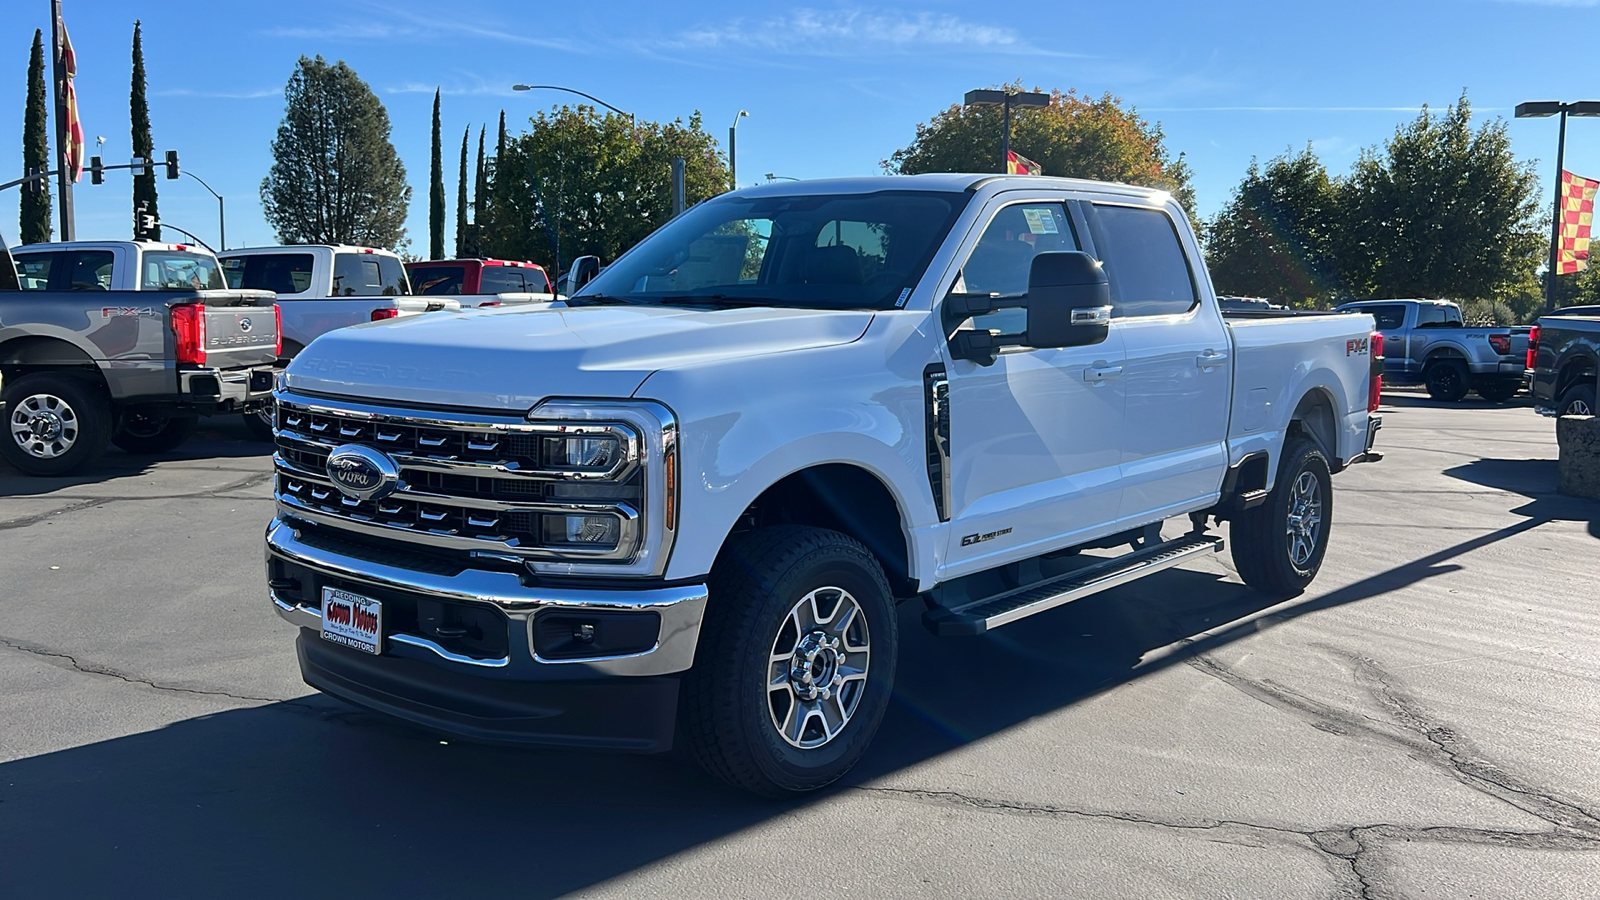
(1178, 372)
(1036, 437)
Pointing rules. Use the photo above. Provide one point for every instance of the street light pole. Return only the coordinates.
(222, 221)
(733, 133)
(552, 87)
(1539, 109)
(1007, 100)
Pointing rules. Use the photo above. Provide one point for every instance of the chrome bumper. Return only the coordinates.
(680, 609)
(228, 387)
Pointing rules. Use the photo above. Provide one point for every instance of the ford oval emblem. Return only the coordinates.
(244, 324)
(362, 472)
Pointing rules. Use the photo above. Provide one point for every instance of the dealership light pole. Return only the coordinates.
(553, 87)
(733, 133)
(1539, 109)
(1008, 100)
(222, 220)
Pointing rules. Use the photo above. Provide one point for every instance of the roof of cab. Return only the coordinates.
(948, 182)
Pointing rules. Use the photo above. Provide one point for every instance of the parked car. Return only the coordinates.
(83, 364)
(1563, 359)
(323, 287)
(1426, 342)
(481, 282)
(700, 489)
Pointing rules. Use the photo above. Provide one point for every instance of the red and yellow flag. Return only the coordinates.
(1017, 164)
(72, 153)
(1577, 215)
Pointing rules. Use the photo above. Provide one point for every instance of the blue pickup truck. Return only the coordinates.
(1427, 342)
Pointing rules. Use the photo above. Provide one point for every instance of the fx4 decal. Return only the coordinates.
(114, 312)
(1357, 347)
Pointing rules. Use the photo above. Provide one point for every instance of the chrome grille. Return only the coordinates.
(484, 483)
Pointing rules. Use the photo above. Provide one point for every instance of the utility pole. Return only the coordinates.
(59, 75)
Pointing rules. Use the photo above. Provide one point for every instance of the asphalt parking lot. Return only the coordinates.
(1424, 723)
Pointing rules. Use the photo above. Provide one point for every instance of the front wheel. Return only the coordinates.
(1278, 546)
(1499, 391)
(1446, 380)
(55, 423)
(1577, 401)
(796, 661)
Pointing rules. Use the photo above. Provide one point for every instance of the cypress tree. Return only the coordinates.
(34, 221)
(144, 185)
(461, 198)
(436, 191)
(480, 199)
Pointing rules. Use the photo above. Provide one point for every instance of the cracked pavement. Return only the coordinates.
(1422, 723)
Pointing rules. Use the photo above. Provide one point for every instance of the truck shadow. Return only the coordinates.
(1535, 479)
(1471, 401)
(219, 437)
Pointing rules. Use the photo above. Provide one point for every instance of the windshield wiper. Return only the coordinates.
(599, 300)
(718, 300)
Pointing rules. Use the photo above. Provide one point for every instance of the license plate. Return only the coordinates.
(352, 620)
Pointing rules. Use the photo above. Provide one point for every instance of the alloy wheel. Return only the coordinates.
(44, 426)
(1305, 518)
(817, 669)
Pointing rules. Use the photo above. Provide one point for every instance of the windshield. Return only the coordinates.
(437, 279)
(820, 251)
(175, 270)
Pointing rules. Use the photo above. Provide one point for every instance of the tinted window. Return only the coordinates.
(438, 279)
(166, 270)
(820, 251)
(1001, 261)
(500, 280)
(1149, 273)
(1388, 317)
(281, 273)
(91, 270)
(1438, 315)
(8, 270)
(34, 269)
(368, 275)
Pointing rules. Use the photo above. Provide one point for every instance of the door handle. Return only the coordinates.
(1101, 373)
(1210, 359)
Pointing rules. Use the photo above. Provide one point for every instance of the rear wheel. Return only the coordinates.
(1498, 391)
(148, 432)
(1577, 401)
(1446, 380)
(1278, 546)
(796, 661)
(55, 424)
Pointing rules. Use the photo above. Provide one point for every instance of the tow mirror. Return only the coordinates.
(1069, 300)
(584, 269)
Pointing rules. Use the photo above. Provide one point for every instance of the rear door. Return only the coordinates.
(1178, 373)
(1034, 438)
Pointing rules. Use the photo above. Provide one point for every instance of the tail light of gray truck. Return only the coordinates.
(1501, 343)
(189, 329)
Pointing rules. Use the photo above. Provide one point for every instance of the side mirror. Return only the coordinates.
(1069, 300)
(584, 269)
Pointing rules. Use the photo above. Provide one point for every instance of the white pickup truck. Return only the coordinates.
(686, 505)
(321, 287)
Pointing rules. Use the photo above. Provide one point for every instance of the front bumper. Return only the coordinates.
(228, 390)
(514, 675)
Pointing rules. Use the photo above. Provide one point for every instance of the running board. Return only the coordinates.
(1001, 609)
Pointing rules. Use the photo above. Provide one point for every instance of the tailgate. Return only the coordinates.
(241, 329)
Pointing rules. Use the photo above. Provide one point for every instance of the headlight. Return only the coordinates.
(591, 453)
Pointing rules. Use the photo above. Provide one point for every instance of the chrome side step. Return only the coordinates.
(1001, 609)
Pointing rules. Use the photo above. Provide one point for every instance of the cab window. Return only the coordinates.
(91, 270)
(1438, 315)
(368, 275)
(281, 273)
(500, 280)
(1145, 261)
(1003, 257)
(33, 269)
(163, 270)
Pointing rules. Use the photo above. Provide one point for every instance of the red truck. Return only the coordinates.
(468, 277)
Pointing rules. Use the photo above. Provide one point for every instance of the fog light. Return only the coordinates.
(598, 531)
(581, 452)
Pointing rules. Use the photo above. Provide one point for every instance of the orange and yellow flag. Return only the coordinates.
(1017, 164)
(1577, 215)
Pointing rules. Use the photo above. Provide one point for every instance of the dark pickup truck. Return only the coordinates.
(1563, 361)
(83, 368)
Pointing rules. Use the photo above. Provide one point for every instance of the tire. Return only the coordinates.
(55, 424)
(1276, 550)
(1446, 380)
(789, 589)
(143, 432)
(1577, 400)
(1498, 391)
(259, 424)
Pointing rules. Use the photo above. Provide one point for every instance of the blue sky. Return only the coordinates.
(831, 88)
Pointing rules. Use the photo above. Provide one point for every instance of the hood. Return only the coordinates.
(512, 358)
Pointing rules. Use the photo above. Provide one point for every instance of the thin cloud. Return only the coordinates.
(837, 32)
(220, 95)
(402, 25)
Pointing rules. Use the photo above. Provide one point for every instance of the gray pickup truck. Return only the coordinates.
(1426, 342)
(1564, 362)
(83, 367)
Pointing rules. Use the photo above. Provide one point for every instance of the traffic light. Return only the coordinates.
(172, 164)
(97, 171)
(35, 181)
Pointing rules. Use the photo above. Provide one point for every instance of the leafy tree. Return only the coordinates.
(1276, 238)
(1442, 211)
(34, 219)
(335, 176)
(599, 183)
(461, 199)
(144, 147)
(1074, 137)
(436, 191)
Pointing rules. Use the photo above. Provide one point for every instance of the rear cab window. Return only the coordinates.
(439, 280)
(1438, 315)
(1145, 260)
(368, 275)
(175, 270)
(500, 280)
(281, 273)
(1388, 318)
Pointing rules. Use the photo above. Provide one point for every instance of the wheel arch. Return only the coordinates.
(1315, 417)
(1573, 370)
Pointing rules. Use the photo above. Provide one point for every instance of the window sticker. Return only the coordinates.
(1041, 220)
